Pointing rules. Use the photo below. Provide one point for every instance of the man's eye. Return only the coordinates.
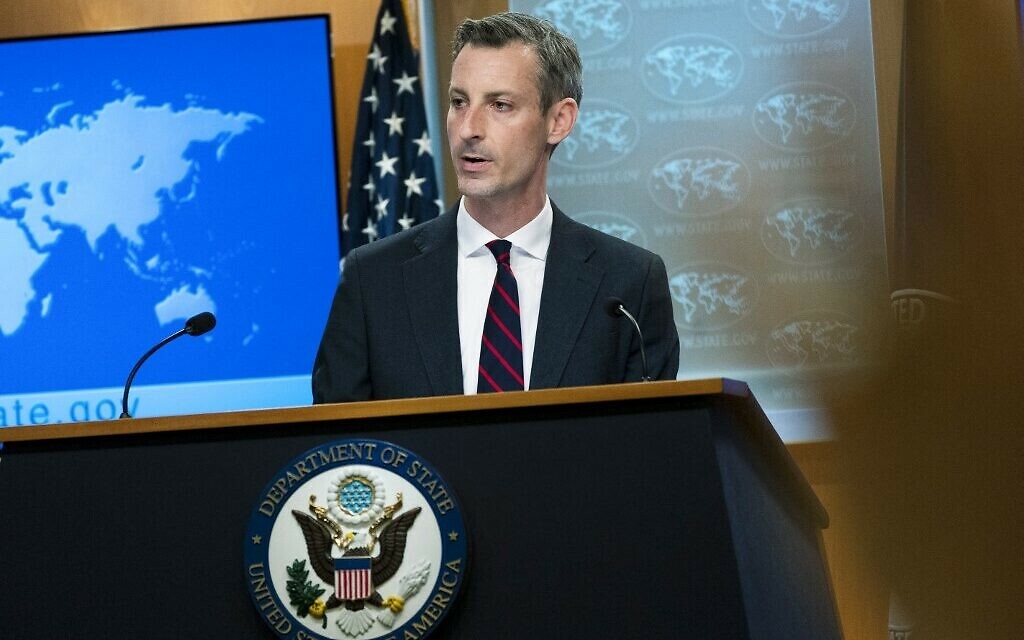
(457, 102)
(502, 106)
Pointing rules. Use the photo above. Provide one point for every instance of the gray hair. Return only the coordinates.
(560, 73)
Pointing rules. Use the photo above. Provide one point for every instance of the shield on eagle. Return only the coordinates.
(353, 578)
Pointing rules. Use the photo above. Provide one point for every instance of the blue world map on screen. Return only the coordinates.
(148, 176)
(143, 154)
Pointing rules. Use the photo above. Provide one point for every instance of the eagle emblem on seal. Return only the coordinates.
(355, 544)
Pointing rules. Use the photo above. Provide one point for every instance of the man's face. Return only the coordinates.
(497, 133)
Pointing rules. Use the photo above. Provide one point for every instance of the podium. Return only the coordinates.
(657, 510)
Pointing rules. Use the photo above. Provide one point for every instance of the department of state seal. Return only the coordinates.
(355, 539)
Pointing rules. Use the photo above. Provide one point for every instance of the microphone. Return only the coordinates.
(200, 323)
(616, 308)
(197, 325)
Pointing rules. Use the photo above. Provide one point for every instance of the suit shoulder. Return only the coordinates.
(402, 245)
(612, 246)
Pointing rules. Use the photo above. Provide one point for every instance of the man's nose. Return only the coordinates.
(471, 126)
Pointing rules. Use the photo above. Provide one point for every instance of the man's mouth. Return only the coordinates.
(474, 162)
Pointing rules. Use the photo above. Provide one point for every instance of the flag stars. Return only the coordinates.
(377, 58)
(412, 185)
(423, 142)
(394, 124)
(386, 164)
(382, 207)
(405, 83)
(370, 231)
(387, 23)
(372, 99)
(386, 156)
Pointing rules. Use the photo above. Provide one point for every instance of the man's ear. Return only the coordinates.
(561, 118)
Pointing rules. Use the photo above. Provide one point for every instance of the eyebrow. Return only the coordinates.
(490, 95)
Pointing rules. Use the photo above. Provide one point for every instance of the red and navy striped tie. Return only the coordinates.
(501, 349)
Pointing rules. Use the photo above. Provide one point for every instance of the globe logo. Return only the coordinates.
(693, 68)
(795, 18)
(810, 231)
(814, 340)
(614, 224)
(595, 25)
(804, 116)
(699, 181)
(604, 134)
(711, 296)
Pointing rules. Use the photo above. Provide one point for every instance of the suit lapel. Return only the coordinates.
(430, 289)
(570, 284)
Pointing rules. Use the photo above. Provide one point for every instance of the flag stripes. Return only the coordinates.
(353, 578)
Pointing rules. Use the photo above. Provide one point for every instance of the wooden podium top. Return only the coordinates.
(770, 444)
(379, 409)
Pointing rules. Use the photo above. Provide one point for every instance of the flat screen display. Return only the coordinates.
(146, 176)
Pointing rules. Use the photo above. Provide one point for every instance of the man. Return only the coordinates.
(442, 308)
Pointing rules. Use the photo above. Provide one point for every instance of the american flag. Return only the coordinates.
(352, 578)
(391, 183)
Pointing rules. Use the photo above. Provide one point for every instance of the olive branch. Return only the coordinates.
(301, 592)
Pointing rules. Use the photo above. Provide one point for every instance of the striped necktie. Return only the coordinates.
(501, 348)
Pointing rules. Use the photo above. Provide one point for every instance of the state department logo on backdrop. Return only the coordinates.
(712, 295)
(595, 25)
(803, 116)
(814, 340)
(699, 181)
(614, 224)
(795, 18)
(810, 231)
(692, 68)
(604, 134)
(355, 539)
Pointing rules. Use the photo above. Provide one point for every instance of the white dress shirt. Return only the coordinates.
(476, 277)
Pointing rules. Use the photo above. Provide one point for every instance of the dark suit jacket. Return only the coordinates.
(393, 330)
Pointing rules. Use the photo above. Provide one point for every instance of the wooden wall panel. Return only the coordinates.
(862, 595)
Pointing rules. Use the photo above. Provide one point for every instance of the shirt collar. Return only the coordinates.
(533, 238)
